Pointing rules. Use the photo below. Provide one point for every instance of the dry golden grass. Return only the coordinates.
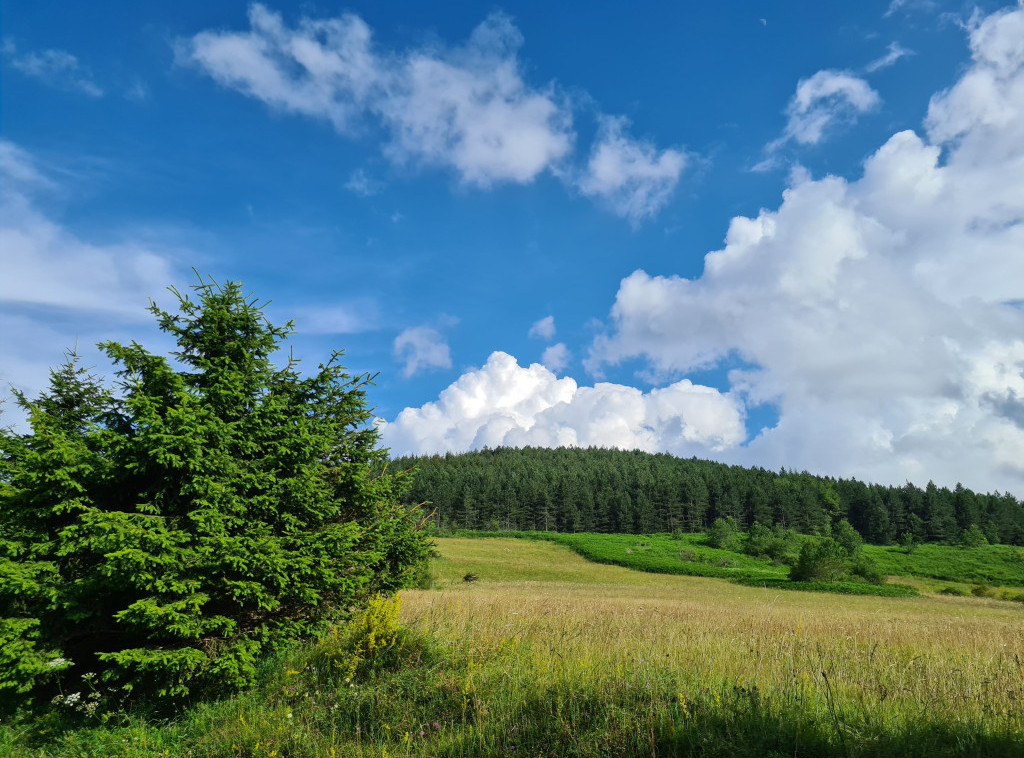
(881, 657)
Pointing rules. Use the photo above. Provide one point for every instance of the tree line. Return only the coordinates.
(633, 492)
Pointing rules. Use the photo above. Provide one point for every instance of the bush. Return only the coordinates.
(822, 560)
(849, 538)
(777, 544)
(866, 569)
(724, 534)
(165, 536)
(973, 537)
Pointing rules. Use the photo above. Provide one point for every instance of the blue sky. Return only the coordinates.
(508, 211)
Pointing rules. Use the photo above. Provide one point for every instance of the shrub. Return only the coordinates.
(973, 537)
(868, 570)
(849, 538)
(167, 535)
(821, 560)
(907, 542)
(777, 544)
(724, 534)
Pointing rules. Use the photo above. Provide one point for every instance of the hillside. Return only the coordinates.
(632, 492)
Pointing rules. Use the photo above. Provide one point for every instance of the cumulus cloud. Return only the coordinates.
(543, 328)
(502, 403)
(631, 177)
(421, 348)
(821, 103)
(556, 357)
(893, 54)
(466, 108)
(55, 68)
(881, 315)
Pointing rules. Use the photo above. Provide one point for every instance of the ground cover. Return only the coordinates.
(997, 568)
(547, 654)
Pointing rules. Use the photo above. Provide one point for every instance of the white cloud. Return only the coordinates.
(556, 357)
(543, 328)
(821, 102)
(56, 68)
(631, 177)
(909, 5)
(466, 108)
(876, 312)
(421, 348)
(335, 319)
(893, 54)
(58, 291)
(502, 403)
(46, 265)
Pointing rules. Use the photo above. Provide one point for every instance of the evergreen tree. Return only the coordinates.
(165, 536)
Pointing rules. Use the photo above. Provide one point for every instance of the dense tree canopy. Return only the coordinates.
(600, 490)
(162, 534)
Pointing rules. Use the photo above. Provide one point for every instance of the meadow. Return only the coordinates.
(990, 570)
(546, 654)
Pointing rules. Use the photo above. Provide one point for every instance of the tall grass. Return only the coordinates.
(549, 655)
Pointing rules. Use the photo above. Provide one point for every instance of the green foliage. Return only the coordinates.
(821, 560)
(908, 543)
(165, 536)
(632, 492)
(848, 538)
(777, 544)
(973, 537)
(724, 534)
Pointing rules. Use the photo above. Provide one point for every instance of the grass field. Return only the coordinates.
(547, 654)
(998, 569)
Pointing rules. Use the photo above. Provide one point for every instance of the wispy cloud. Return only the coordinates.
(58, 290)
(360, 183)
(55, 68)
(910, 5)
(822, 101)
(350, 318)
(894, 53)
(421, 348)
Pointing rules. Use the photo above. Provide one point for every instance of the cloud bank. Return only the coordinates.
(883, 316)
(466, 108)
(502, 403)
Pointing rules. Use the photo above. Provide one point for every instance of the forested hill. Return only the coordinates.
(601, 490)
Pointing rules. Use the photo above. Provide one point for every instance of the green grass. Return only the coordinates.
(690, 555)
(549, 655)
(1001, 565)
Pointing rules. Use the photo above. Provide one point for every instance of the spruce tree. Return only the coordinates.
(162, 535)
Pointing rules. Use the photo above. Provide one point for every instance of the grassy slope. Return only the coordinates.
(550, 655)
(689, 555)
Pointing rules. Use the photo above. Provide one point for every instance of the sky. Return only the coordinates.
(765, 233)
